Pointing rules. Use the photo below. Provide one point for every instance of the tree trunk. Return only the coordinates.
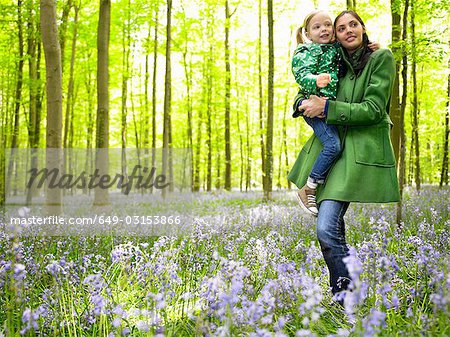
(248, 171)
(52, 51)
(68, 123)
(33, 71)
(90, 121)
(146, 116)
(17, 100)
(239, 120)
(444, 170)
(208, 121)
(415, 111)
(261, 100)
(227, 100)
(402, 140)
(351, 5)
(102, 125)
(188, 75)
(126, 40)
(155, 67)
(395, 98)
(167, 97)
(270, 94)
(62, 30)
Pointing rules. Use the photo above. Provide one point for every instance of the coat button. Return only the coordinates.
(352, 77)
(343, 117)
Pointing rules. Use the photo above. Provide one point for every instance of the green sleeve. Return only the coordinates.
(372, 108)
(304, 68)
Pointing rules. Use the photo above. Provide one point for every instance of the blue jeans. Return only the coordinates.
(331, 235)
(329, 137)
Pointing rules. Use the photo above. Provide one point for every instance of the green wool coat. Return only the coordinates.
(365, 170)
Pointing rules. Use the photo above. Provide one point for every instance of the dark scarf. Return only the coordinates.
(358, 59)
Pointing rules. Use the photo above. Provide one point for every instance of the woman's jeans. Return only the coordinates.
(329, 137)
(331, 235)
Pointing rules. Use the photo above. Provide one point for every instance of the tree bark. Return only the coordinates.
(351, 5)
(270, 98)
(126, 40)
(248, 170)
(17, 98)
(52, 51)
(261, 100)
(402, 140)
(208, 120)
(444, 170)
(62, 30)
(101, 197)
(395, 98)
(68, 123)
(34, 85)
(188, 75)
(415, 111)
(227, 100)
(167, 97)
(155, 67)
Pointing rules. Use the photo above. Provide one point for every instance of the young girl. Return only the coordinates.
(315, 67)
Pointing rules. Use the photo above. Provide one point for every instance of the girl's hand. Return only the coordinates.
(322, 80)
(374, 45)
(313, 107)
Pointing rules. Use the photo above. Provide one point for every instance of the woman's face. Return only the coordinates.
(349, 32)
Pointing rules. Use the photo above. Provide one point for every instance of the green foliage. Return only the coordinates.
(198, 35)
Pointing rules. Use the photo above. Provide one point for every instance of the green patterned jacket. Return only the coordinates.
(312, 59)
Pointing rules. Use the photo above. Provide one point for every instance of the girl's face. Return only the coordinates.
(320, 28)
(349, 32)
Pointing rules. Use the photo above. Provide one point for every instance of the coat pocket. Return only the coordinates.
(372, 145)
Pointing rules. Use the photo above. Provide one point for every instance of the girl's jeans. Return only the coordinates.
(331, 235)
(329, 137)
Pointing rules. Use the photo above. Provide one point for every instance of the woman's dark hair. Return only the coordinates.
(365, 43)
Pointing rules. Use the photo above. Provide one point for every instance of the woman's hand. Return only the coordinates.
(313, 107)
(374, 45)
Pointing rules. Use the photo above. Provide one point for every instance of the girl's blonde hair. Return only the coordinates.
(305, 25)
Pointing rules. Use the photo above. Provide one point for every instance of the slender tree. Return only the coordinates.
(18, 96)
(351, 4)
(167, 96)
(70, 101)
(154, 76)
(34, 116)
(415, 110)
(248, 171)
(270, 94)
(395, 98)
(52, 51)
(402, 144)
(444, 169)
(126, 46)
(63, 29)
(209, 112)
(90, 88)
(261, 98)
(102, 125)
(228, 16)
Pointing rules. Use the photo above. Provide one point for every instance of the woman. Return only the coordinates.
(365, 170)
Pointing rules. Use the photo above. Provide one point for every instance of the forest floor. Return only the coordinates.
(226, 264)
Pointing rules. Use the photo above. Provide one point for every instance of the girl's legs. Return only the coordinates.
(331, 235)
(329, 137)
